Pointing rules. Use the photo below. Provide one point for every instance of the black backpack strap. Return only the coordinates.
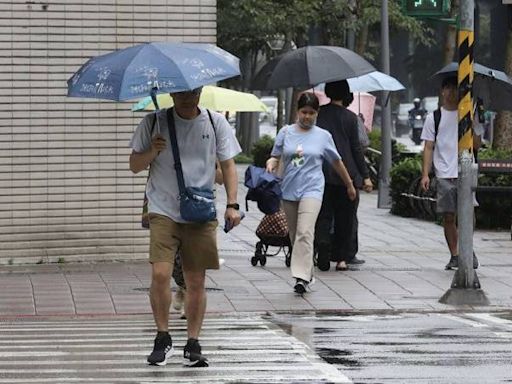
(213, 125)
(437, 120)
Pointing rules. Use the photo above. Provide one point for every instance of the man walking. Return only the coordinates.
(440, 135)
(202, 136)
(337, 207)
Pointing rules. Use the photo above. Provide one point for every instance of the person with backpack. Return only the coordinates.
(302, 148)
(440, 135)
(197, 138)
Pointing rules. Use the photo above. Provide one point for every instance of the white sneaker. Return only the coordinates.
(179, 298)
(221, 261)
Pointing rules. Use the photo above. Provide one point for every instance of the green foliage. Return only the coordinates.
(246, 27)
(261, 150)
(495, 209)
(403, 175)
(242, 158)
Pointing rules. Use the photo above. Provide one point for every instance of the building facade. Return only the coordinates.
(66, 191)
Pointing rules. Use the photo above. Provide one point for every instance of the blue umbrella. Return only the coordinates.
(133, 72)
(374, 81)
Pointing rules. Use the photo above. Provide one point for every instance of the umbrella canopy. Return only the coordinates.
(214, 98)
(171, 67)
(492, 86)
(310, 65)
(374, 81)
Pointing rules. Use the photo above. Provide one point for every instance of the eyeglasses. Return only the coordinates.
(193, 92)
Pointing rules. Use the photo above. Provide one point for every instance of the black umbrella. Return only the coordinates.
(492, 86)
(309, 66)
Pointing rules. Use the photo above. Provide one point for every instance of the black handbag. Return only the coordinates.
(196, 204)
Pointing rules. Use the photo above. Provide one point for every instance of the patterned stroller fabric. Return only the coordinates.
(272, 226)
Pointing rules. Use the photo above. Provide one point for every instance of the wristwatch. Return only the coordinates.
(235, 206)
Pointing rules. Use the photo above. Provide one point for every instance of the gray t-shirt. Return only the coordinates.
(303, 154)
(199, 146)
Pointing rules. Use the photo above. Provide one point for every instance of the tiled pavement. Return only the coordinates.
(403, 271)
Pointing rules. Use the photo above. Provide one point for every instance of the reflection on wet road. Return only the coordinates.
(412, 347)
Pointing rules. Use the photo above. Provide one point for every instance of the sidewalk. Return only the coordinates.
(404, 270)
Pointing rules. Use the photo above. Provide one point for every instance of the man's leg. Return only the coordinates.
(451, 236)
(323, 231)
(160, 294)
(450, 233)
(195, 303)
(162, 250)
(198, 253)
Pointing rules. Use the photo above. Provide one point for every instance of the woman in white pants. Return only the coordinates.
(303, 147)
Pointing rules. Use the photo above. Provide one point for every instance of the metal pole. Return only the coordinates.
(465, 287)
(384, 199)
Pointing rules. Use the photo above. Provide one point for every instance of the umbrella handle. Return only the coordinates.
(153, 97)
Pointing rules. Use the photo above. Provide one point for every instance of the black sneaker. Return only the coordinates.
(453, 263)
(475, 261)
(356, 261)
(192, 354)
(162, 350)
(300, 286)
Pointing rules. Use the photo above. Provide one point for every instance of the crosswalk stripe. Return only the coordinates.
(240, 349)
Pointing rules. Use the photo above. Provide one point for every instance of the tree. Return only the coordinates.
(503, 128)
(246, 27)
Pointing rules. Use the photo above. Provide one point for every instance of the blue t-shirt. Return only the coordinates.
(303, 154)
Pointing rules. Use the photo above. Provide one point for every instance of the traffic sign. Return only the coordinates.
(426, 8)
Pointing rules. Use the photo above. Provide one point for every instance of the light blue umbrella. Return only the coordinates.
(374, 81)
(133, 72)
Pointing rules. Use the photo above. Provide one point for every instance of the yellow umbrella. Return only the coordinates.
(214, 98)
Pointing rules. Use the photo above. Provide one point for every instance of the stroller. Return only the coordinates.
(272, 232)
(264, 188)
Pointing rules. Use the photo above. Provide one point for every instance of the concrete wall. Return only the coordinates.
(65, 188)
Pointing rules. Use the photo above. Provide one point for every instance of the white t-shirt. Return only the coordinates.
(446, 145)
(199, 146)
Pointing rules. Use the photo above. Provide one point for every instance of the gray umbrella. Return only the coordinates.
(310, 65)
(492, 86)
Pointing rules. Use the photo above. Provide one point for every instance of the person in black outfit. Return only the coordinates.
(337, 208)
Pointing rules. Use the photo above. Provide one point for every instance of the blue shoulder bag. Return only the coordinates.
(196, 204)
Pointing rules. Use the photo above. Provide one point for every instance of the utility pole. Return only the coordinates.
(384, 199)
(465, 288)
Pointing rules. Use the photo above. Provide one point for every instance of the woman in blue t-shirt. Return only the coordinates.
(302, 147)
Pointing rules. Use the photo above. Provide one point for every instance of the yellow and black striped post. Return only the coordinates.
(465, 84)
(465, 288)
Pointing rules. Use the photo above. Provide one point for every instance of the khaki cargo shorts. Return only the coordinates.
(197, 243)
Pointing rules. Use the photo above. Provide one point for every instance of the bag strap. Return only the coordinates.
(175, 150)
(150, 136)
(437, 121)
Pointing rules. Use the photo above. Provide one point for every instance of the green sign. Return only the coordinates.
(426, 8)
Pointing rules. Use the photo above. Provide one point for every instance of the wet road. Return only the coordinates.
(411, 348)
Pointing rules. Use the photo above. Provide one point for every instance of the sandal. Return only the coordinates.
(341, 266)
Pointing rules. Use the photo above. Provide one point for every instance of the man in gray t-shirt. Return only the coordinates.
(203, 136)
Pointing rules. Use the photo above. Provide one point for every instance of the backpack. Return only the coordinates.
(263, 187)
(437, 120)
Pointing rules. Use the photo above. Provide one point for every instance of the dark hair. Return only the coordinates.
(308, 99)
(449, 81)
(337, 90)
(348, 99)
